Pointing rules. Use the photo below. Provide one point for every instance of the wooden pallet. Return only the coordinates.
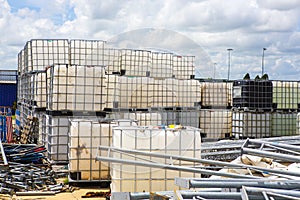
(29, 131)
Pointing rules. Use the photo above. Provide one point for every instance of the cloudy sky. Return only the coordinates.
(246, 26)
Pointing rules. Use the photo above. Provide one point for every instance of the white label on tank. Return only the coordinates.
(237, 92)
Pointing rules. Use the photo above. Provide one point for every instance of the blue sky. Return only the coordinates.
(247, 26)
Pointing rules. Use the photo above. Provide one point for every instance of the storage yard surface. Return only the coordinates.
(141, 120)
(77, 194)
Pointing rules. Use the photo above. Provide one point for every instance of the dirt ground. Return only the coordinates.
(77, 194)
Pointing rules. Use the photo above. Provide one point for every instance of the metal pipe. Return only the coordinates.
(172, 167)
(204, 161)
(3, 155)
(235, 183)
(287, 146)
(269, 154)
(252, 190)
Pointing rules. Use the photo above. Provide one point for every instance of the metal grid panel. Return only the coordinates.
(113, 91)
(39, 81)
(21, 61)
(56, 137)
(112, 61)
(146, 92)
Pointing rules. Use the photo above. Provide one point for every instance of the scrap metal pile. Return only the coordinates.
(26, 171)
(264, 169)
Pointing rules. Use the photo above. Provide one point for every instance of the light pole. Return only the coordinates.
(229, 50)
(262, 61)
(215, 70)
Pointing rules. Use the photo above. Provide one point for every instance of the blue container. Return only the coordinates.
(3, 128)
(8, 94)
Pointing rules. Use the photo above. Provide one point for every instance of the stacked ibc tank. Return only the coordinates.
(264, 108)
(154, 88)
(215, 113)
(286, 101)
(79, 89)
(57, 78)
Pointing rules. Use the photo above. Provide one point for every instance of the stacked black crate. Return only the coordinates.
(252, 108)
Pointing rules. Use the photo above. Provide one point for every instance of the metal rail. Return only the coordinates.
(280, 173)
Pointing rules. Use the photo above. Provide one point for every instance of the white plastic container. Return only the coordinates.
(161, 65)
(42, 53)
(298, 124)
(81, 88)
(216, 123)
(286, 95)
(183, 66)
(135, 62)
(112, 61)
(284, 124)
(251, 124)
(39, 89)
(189, 93)
(87, 52)
(55, 137)
(216, 94)
(128, 178)
(113, 91)
(85, 137)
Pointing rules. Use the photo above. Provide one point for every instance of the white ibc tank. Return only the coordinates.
(216, 94)
(85, 137)
(284, 124)
(55, 137)
(216, 123)
(74, 87)
(286, 95)
(189, 93)
(161, 65)
(251, 124)
(128, 178)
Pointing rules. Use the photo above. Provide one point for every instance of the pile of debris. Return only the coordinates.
(26, 171)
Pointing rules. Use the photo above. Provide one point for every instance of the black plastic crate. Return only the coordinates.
(252, 94)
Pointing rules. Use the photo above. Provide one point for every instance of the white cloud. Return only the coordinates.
(244, 25)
